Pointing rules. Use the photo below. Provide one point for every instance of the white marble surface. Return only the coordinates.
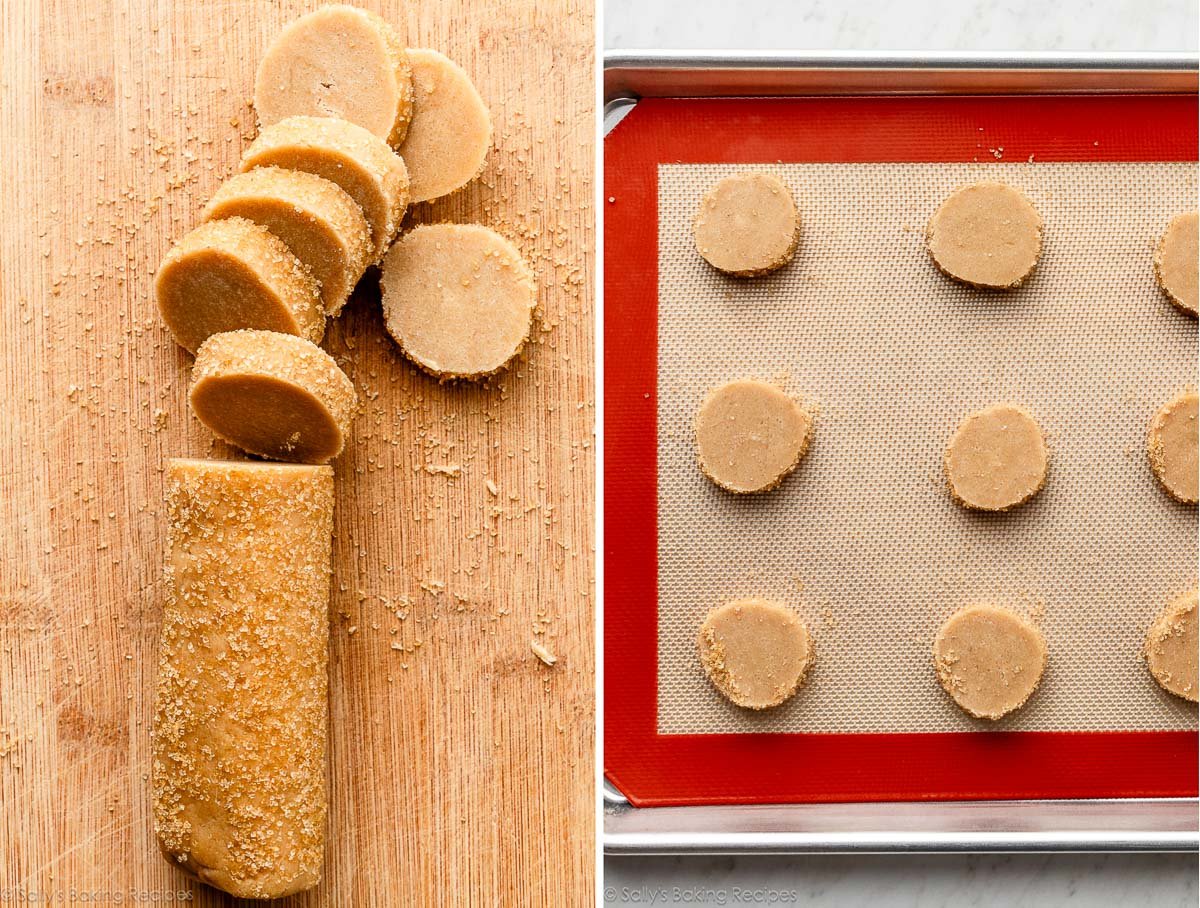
(1163, 881)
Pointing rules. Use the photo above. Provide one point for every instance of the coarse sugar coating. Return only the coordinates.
(1171, 647)
(756, 652)
(747, 225)
(996, 459)
(987, 235)
(989, 660)
(1171, 446)
(1176, 264)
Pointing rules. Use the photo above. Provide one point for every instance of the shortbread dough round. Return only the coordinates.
(755, 652)
(339, 61)
(989, 660)
(274, 395)
(1171, 446)
(748, 224)
(986, 235)
(458, 299)
(451, 131)
(356, 159)
(750, 435)
(1177, 262)
(233, 274)
(997, 459)
(322, 225)
(1171, 648)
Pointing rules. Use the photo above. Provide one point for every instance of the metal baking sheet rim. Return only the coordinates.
(1153, 824)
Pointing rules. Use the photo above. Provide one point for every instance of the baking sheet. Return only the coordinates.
(863, 539)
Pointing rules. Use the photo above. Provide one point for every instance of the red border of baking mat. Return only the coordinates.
(654, 769)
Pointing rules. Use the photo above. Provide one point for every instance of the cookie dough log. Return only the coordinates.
(1171, 648)
(750, 435)
(987, 235)
(451, 131)
(322, 225)
(989, 660)
(458, 299)
(358, 161)
(748, 225)
(273, 395)
(1177, 262)
(339, 61)
(1172, 447)
(240, 711)
(232, 274)
(755, 652)
(997, 459)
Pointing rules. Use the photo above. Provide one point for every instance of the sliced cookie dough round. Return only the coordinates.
(232, 274)
(987, 235)
(997, 459)
(451, 132)
(322, 225)
(357, 160)
(755, 652)
(274, 395)
(1171, 648)
(989, 660)
(458, 299)
(1171, 447)
(747, 225)
(1177, 262)
(338, 61)
(750, 435)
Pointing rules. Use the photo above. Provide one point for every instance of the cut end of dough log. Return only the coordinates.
(1177, 262)
(987, 235)
(353, 158)
(750, 435)
(451, 132)
(273, 395)
(1172, 447)
(338, 61)
(458, 299)
(748, 225)
(316, 219)
(997, 459)
(989, 660)
(756, 653)
(231, 274)
(1171, 648)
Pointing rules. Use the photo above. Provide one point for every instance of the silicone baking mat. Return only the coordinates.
(863, 539)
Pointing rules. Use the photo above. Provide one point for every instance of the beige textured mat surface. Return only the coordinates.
(863, 539)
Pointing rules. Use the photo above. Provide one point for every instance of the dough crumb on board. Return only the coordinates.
(989, 660)
(755, 652)
(747, 225)
(274, 395)
(1171, 446)
(230, 274)
(447, 144)
(321, 225)
(1177, 262)
(338, 61)
(1171, 648)
(996, 459)
(987, 235)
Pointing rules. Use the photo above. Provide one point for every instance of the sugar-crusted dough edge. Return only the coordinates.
(777, 263)
(962, 502)
(1159, 250)
(712, 658)
(1037, 255)
(1154, 443)
(1165, 625)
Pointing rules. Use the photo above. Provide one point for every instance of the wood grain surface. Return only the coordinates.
(461, 767)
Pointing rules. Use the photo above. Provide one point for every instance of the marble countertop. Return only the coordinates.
(1164, 881)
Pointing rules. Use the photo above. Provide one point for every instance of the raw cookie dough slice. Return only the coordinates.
(748, 225)
(997, 459)
(1176, 262)
(1172, 445)
(750, 435)
(989, 660)
(451, 131)
(755, 652)
(233, 274)
(314, 217)
(338, 61)
(986, 235)
(354, 158)
(458, 299)
(1171, 648)
(273, 395)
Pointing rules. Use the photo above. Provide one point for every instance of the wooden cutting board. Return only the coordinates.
(461, 767)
